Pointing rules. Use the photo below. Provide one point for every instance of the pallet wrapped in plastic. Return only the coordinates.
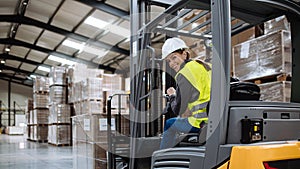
(59, 113)
(113, 82)
(89, 155)
(40, 116)
(264, 56)
(40, 133)
(40, 100)
(92, 89)
(93, 128)
(59, 134)
(92, 107)
(41, 83)
(29, 105)
(276, 24)
(278, 91)
(80, 72)
(74, 92)
(57, 95)
(57, 75)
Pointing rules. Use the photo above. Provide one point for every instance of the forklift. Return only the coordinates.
(239, 134)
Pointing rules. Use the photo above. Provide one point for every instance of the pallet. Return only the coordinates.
(60, 124)
(58, 85)
(271, 78)
(60, 145)
(92, 99)
(41, 92)
(38, 141)
(40, 108)
(43, 125)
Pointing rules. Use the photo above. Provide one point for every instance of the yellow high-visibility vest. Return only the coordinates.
(200, 78)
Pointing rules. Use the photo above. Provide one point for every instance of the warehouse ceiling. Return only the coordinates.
(38, 34)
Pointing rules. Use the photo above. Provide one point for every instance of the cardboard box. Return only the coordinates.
(264, 56)
(59, 134)
(279, 91)
(59, 113)
(89, 155)
(279, 23)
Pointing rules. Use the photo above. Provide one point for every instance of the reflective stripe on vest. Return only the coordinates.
(199, 106)
(200, 78)
(200, 115)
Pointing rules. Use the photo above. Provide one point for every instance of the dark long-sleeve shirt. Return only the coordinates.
(185, 93)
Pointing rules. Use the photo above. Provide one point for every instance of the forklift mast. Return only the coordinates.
(145, 67)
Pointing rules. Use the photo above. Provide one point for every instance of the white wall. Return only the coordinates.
(19, 93)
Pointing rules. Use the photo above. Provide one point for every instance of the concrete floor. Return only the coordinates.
(18, 153)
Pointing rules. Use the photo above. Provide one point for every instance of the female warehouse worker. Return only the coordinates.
(192, 94)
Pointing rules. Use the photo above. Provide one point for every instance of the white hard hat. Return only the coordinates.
(171, 45)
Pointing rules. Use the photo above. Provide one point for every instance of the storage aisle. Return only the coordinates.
(18, 153)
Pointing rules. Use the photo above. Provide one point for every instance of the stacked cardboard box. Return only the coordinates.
(41, 84)
(92, 107)
(279, 23)
(41, 100)
(279, 91)
(40, 133)
(90, 138)
(89, 125)
(89, 155)
(59, 132)
(40, 116)
(264, 56)
(92, 89)
(58, 76)
(37, 126)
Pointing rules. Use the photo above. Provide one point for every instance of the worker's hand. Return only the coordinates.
(186, 114)
(171, 91)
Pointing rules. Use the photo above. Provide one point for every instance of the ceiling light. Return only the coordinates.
(33, 76)
(7, 49)
(127, 40)
(0, 70)
(2, 61)
(61, 60)
(107, 26)
(73, 44)
(83, 47)
(94, 51)
(96, 22)
(43, 68)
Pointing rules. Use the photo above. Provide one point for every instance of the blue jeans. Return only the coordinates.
(172, 127)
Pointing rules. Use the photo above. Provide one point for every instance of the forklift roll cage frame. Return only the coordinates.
(250, 12)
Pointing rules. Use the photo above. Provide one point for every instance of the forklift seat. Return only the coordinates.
(193, 139)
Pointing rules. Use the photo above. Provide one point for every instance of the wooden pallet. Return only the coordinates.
(60, 145)
(66, 124)
(271, 78)
(92, 99)
(42, 125)
(41, 92)
(38, 141)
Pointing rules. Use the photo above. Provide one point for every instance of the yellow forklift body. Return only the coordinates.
(252, 157)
